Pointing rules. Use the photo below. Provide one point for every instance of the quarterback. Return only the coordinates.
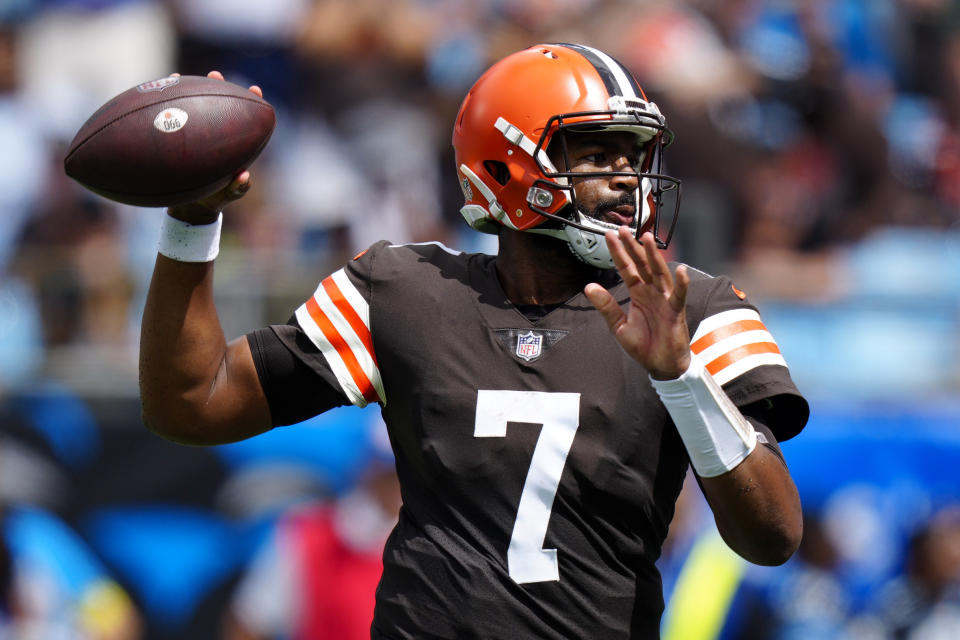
(543, 404)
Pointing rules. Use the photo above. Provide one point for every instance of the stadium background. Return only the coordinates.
(819, 146)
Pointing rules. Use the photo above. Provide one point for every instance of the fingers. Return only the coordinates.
(678, 297)
(233, 191)
(636, 252)
(240, 184)
(254, 89)
(639, 261)
(605, 304)
(216, 75)
(625, 263)
(654, 267)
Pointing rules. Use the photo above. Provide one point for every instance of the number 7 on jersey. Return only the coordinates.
(559, 416)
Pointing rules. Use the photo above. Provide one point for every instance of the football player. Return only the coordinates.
(543, 404)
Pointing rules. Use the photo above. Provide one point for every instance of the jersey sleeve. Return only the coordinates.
(729, 338)
(298, 385)
(329, 336)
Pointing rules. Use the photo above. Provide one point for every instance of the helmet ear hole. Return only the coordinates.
(498, 171)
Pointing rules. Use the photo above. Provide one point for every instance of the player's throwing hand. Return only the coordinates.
(207, 210)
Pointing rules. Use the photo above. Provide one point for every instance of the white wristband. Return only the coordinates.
(187, 242)
(715, 433)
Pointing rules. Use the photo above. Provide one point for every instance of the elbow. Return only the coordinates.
(202, 422)
(781, 550)
(161, 424)
(769, 543)
(180, 426)
(777, 545)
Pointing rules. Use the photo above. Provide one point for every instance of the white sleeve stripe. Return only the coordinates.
(353, 387)
(351, 293)
(721, 319)
(332, 357)
(360, 305)
(340, 323)
(730, 343)
(743, 365)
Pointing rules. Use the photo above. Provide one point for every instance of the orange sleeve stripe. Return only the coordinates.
(343, 349)
(721, 363)
(350, 315)
(726, 331)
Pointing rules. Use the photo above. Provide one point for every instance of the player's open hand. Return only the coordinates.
(653, 329)
(206, 210)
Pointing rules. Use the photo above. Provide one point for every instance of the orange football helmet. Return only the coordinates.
(516, 109)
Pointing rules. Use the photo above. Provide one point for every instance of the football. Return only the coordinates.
(170, 141)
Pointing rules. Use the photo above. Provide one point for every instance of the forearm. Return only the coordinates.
(182, 346)
(753, 498)
(195, 387)
(757, 508)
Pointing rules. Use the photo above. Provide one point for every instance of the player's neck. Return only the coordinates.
(537, 269)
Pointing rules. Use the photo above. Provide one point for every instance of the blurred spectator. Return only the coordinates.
(25, 161)
(703, 588)
(924, 603)
(75, 54)
(21, 350)
(316, 577)
(364, 31)
(53, 588)
(806, 599)
(72, 255)
(250, 42)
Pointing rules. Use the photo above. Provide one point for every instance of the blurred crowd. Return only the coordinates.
(818, 142)
(832, 589)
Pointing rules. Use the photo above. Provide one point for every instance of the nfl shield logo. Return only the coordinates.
(529, 345)
(158, 85)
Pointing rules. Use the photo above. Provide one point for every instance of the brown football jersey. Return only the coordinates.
(538, 467)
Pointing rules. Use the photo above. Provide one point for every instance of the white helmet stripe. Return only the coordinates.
(616, 78)
(623, 82)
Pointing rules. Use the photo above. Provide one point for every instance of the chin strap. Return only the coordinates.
(588, 243)
(589, 246)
